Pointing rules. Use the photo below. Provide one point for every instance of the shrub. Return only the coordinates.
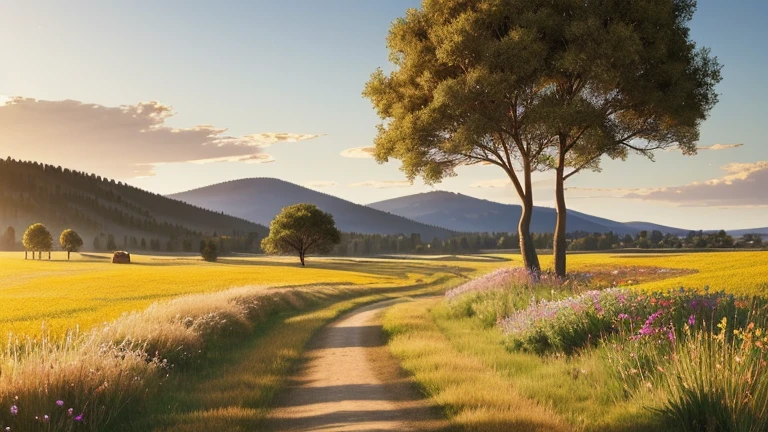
(209, 251)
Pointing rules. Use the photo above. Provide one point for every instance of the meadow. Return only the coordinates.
(666, 342)
(124, 344)
(58, 295)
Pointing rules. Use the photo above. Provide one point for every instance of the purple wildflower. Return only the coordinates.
(79, 417)
(60, 402)
(692, 320)
(70, 411)
(623, 316)
(14, 410)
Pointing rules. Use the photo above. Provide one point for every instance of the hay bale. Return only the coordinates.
(121, 257)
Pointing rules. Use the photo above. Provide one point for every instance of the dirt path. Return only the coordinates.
(349, 381)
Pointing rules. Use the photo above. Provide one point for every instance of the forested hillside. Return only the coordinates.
(111, 211)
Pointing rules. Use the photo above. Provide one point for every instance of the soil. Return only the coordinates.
(348, 380)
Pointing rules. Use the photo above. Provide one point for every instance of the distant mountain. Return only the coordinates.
(261, 199)
(647, 226)
(740, 232)
(61, 198)
(464, 213)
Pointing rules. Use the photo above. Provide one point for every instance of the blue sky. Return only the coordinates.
(298, 67)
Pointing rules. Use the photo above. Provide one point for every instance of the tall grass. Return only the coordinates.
(94, 380)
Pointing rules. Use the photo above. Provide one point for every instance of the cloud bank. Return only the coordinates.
(720, 146)
(358, 153)
(125, 141)
(743, 185)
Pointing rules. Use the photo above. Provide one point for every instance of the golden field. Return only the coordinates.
(739, 272)
(89, 290)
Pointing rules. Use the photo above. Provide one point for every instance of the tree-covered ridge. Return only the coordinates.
(61, 198)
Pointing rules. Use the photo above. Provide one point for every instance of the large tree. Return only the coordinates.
(616, 77)
(70, 241)
(302, 229)
(38, 239)
(464, 81)
(523, 84)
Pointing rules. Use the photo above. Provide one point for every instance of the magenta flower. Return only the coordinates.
(70, 411)
(60, 402)
(79, 417)
(692, 320)
(14, 410)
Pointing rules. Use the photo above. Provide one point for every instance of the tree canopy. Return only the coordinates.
(531, 85)
(302, 229)
(37, 238)
(70, 241)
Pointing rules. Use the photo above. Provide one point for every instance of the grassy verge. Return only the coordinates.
(232, 388)
(463, 366)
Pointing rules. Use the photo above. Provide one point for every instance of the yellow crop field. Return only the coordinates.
(735, 272)
(89, 290)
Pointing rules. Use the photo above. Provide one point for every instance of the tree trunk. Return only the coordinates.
(527, 249)
(301, 258)
(562, 215)
(25, 254)
(49, 255)
(39, 255)
(68, 252)
(560, 226)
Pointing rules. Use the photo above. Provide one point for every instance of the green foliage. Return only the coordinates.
(37, 238)
(209, 251)
(70, 241)
(302, 229)
(8, 240)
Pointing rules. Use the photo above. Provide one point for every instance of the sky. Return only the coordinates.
(175, 95)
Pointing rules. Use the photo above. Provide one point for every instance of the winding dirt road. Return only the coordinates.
(348, 380)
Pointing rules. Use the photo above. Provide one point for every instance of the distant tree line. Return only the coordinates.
(581, 241)
(92, 204)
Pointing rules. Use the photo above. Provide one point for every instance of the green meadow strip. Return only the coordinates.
(463, 366)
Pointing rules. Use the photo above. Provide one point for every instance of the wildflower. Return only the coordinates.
(623, 316)
(79, 417)
(46, 418)
(14, 410)
(60, 402)
(692, 320)
(70, 411)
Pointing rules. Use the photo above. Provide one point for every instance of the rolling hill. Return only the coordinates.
(260, 199)
(61, 198)
(464, 213)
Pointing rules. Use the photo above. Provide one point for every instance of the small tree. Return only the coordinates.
(209, 252)
(37, 238)
(302, 229)
(111, 245)
(70, 241)
(9, 238)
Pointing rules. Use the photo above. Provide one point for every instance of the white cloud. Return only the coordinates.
(383, 184)
(743, 185)
(720, 146)
(358, 153)
(122, 142)
(320, 184)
